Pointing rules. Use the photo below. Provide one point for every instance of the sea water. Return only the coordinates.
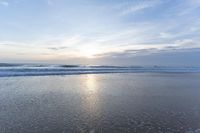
(109, 102)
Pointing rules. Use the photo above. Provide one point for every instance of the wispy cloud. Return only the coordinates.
(146, 49)
(49, 2)
(129, 42)
(166, 35)
(11, 43)
(57, 48)
(4, 3)
(132, 8)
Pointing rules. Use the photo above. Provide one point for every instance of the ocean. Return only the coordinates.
(99, 99)
(43, 70)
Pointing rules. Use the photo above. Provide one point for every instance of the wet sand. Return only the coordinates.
(137, 102)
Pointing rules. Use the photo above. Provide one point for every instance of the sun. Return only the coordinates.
(89, 52)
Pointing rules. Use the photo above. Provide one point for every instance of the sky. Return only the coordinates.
(105, 32)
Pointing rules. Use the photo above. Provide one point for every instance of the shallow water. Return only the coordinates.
(137, 102)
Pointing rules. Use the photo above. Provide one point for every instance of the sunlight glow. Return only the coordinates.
(89, 52)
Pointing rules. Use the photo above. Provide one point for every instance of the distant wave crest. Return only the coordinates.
(42, 70)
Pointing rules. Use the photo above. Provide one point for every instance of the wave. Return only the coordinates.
(7, 70)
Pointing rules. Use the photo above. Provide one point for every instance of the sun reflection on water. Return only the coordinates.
(91, 83)
(91, 92)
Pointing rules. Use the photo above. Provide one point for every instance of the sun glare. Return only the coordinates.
(89, 52)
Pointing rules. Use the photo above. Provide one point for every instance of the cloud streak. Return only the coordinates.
(130, 8)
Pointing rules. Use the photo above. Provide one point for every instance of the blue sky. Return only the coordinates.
(121, 32)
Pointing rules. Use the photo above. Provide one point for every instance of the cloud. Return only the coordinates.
(11, 43)
(165, 35)
(4, 3)
(147, 49)
(131, 8)
(125, 43)
(187, 43)
(185, 8)
(49, 2)
(58, 48)
(128, 53)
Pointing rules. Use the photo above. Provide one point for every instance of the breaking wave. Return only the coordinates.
(41, 70)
